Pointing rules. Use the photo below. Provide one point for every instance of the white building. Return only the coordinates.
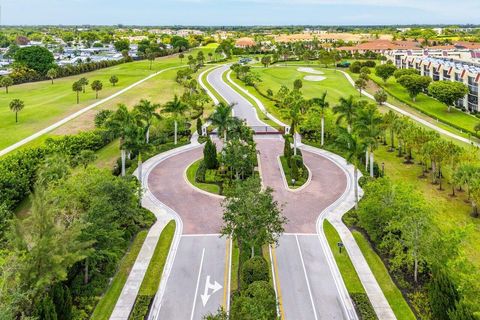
(456, 65)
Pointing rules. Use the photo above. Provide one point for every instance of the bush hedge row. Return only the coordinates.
(363, 306)
(18, 170)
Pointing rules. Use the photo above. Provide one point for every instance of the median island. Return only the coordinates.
(294, 170)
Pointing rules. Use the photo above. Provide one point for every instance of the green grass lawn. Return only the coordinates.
(152, 278)
(209, 185)
(288, 175)
(260, 114)
(105, 306)
(349, 275)
(429, 106)
(392, 293)
(46, 103)
(449, 212)
(335, 83)
(234, 267)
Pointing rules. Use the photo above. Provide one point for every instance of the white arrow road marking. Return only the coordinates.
(198, 282)
(215, 287)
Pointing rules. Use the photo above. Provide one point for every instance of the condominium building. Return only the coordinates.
(452, 65)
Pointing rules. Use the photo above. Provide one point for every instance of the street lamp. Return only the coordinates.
(293, 182)
(383, 169)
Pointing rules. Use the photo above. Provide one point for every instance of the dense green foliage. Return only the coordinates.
(210, 155)
(37, 58)
(254, 269)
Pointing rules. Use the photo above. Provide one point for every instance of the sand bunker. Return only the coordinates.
(314, 78)
(309, 70)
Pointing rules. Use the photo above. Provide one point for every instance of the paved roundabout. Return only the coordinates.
(196, 278)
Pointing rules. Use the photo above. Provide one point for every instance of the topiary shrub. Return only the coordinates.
(355, 67)
(254, 269)
(201, 171)
(210, 155)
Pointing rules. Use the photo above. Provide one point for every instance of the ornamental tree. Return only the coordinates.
(414, 84)
(251, 215)
(385, 71)
(447, 92)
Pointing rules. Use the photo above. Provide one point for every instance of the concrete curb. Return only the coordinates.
(284, 178)
(213, 195)
(334, 214)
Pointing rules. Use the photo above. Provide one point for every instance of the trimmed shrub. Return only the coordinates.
(369, 64)
(257, 302)
(210, 155)
(201, 171)
(363, 306)
(141, 307)
(355, 67)
(254, 269)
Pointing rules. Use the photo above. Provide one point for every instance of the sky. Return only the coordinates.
(239, 12)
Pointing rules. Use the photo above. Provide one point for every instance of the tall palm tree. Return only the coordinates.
(222, 117)
(295, 117)
(120, 123)
(323, 104)
(346, 110)
(368, 125)
(355, 149)
(135, 141)
(178, 108)
(389, 120)
(146, 113)
(16, 105)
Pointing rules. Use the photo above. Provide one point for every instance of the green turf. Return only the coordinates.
(105, 306)
(107, 156)
(234, 267)
(209, 185)
(288, 175)
(260, 114)
(429, 106)
(154, 272)
(335, 83)
(449, 212)
(349, 274)
(46, 103)
(392, 293)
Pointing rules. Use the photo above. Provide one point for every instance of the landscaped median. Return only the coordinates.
(152, 277)
(349, 274)
(209, 181)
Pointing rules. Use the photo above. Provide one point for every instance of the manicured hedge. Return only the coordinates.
(18, 170)
(142, 305)
(363, 306)
(254, 269)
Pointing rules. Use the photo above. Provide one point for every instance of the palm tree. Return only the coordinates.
(16, 105)
(176, 107)
(323, 105)
(52, 74)
(295, 117)
(367, 125)
(77, 87)
(120, 123)
(355, 149)
(97, 85)
(146, 112)
(346, 110)
(136, 142)
(222, 117)
(389, 120)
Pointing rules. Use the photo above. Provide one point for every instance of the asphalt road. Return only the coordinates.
(198, 281)
(307, 285)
